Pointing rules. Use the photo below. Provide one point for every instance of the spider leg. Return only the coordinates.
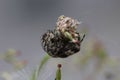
(82, 38)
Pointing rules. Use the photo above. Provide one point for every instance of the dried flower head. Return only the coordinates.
(66, 23)
(64, 40)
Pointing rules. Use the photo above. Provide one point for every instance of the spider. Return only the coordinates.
(64, 40)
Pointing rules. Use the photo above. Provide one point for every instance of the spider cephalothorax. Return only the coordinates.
(64, 40)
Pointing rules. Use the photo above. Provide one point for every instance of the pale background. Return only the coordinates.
(22, 22)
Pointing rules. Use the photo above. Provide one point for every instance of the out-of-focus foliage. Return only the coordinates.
(10, 56)
(36, 72)
(58, 73)
(92, 50)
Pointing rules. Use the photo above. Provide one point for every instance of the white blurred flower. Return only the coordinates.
(23, 74)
